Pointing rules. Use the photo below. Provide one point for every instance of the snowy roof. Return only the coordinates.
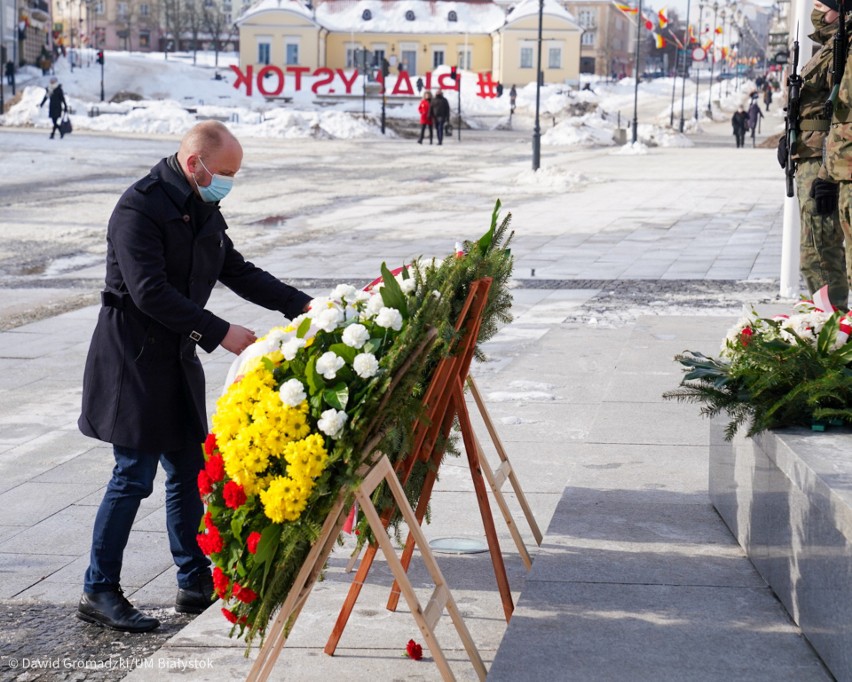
(527, 7)
(429, 16)
(271, 5)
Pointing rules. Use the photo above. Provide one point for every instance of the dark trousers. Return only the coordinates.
(56, 127)
(439, 129)
(423, 127)
(740, 134)
(132, 481)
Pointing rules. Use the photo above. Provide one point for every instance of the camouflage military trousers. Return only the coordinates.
(823, 259)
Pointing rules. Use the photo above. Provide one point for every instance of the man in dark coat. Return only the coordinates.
(143, 388)
(440, 109)
(57, 106)
(739, 122)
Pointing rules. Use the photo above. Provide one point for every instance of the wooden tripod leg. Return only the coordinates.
(408, 552)
(469, 439)
(351, 598)
(501, 451)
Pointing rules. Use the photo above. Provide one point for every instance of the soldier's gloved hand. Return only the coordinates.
(824, 194)
(782, 151)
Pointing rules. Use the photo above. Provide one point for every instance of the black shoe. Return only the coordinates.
(197, 598)
(419, 141)
(51, 136)
(112, 610)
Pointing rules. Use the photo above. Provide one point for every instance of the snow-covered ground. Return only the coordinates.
(170, 95)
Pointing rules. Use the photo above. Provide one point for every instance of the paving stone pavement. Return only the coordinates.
(586, 300)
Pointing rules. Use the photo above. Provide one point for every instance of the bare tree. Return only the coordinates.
(218, 24)
(194, 13)
(126, 20)
(174, 21)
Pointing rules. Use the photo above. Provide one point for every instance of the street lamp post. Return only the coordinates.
(636, 72)
(536, 161)
(712, 61)
(697, 72)
(686, 57)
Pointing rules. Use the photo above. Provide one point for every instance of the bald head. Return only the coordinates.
(209, 148)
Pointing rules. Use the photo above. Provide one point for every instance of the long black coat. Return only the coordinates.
(440, 108)
(143, 385)
(57, 105)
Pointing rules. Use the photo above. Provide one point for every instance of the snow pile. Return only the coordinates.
(552, 178)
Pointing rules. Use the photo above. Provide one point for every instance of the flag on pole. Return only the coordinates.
(661, 42)
(692, 34)
(649, 25)
(663, 18)
(627, 9)
(718, 30)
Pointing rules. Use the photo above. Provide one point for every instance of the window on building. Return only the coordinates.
(437, 58)
(144, 39)
(99, 7)
(586, 17)
(452, 16)
(526, 57)
(121, 7)
(554, 58)
(366, 15)
(350, 56)
(263, 50)
(463, 59)
(144, 10)
(226, 19)
(292, 54)
(588, 39)
(409, 16)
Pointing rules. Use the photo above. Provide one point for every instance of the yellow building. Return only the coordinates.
(415, 36)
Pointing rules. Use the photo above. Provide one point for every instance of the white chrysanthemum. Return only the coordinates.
(389, 318)
(365, 365)
(319, 304)
(343, 291)
(292, 393)
(374, 305)
(356, 335)
(407, 285)
(328, 364)
(361, 296)
(290, 347)
(331, 422)
(329, 319)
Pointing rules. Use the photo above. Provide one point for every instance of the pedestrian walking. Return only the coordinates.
(425, 109)
(57, 105)
(513, 96)
(822, 256)
(143, 385)
(754, 116)
(767, 95)
(739, 122)
(440, 112)
(9, 72)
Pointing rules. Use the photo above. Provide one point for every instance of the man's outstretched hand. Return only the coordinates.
(238, 339)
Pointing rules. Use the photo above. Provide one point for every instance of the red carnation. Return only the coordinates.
(210, 444)
(231, 616)
(745, 336)
(205, 485)
(210, 543)
(220, 582)
(244, 594)
(252, 541)
(215, 468)
(235, 496)
(414, 650)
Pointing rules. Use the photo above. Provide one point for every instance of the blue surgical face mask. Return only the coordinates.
(218, 188)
